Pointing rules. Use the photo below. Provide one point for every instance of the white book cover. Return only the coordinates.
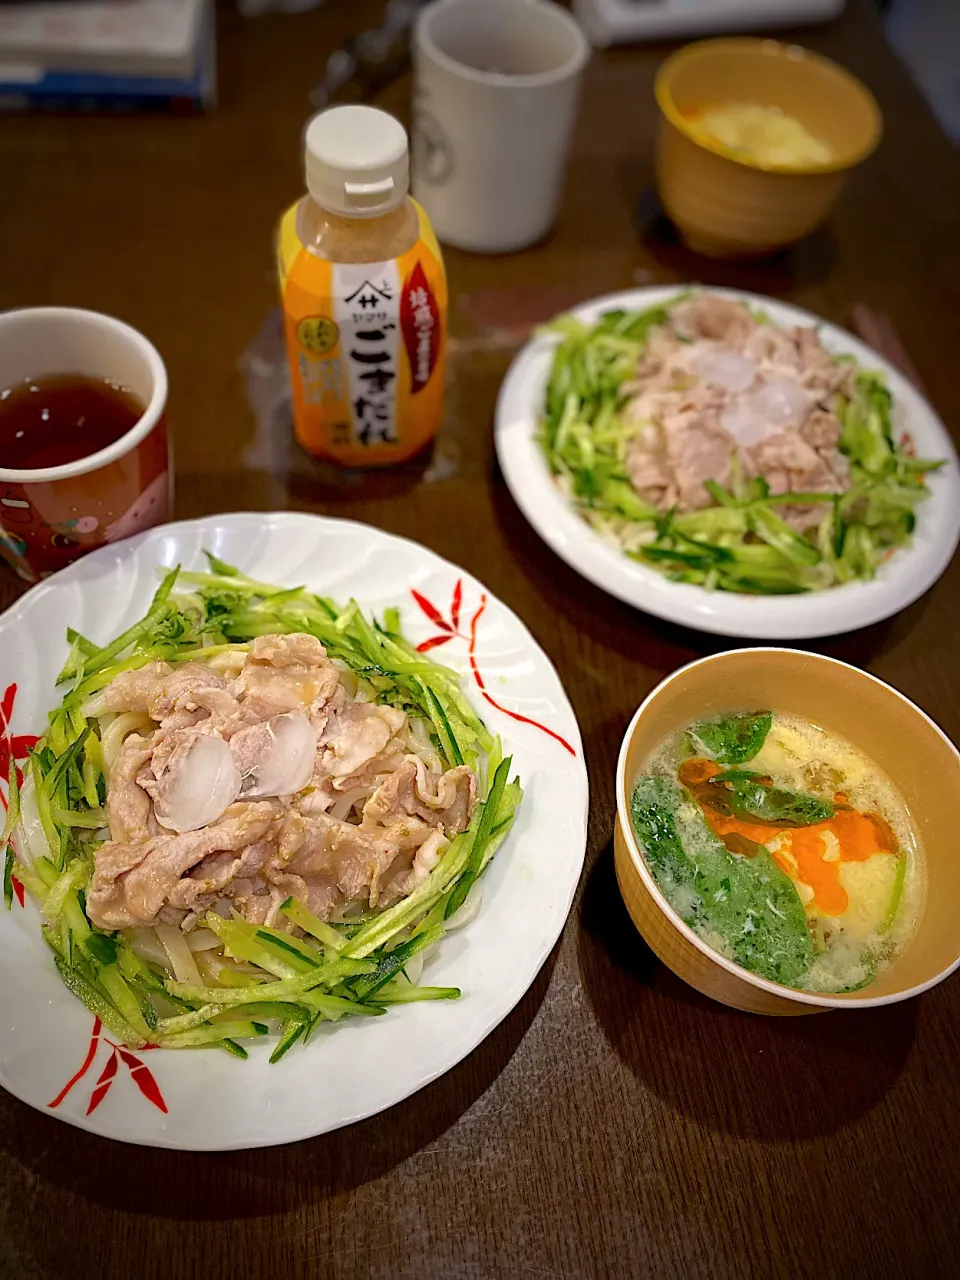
(125, 37)
(613, 21)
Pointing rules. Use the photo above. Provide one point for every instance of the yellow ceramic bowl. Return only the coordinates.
(736, 207)
(905, 743)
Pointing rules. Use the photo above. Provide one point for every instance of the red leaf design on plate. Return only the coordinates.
(143, 1078)
(431, 610)
(456, 603)
(514, 715)
(426, 645)
(6, 706)
(17, 889)
(145, 1082)
(91, 1054)
(102, 1086)
(23, 744)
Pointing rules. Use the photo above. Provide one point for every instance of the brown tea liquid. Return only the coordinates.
(61, 418)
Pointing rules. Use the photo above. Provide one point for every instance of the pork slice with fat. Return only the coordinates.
(709, 316)
(128, 805)
(118, 899)
(355, 735)
(353, 858)
(134, 690)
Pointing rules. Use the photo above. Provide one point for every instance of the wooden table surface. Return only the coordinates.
(616, 1124)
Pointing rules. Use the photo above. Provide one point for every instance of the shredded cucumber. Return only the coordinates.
(293, 982)
(584, 437)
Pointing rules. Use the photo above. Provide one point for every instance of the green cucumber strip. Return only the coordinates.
(43, 809)
(55, 737)
(220, 567)
(64, 761)
(95, 662)
(289, 944)
(411, 994)
(90, 820)
(620, 496)
(80, 650)
(31, 882)
(334, 1007)
(123, 999)
(71, 914)
(488, 820)
(73, 878)
(211, 1035)
(13, 801)
(240, 942)
(437, 913)
(46, 871)
(231, 978)
(293, 1029)
(390, 964)
(235, 1050)
(8, 878)
(315, 1019)
(395, 918)
(285, 989)
(132, 967)
(187, 1021)
(309, 923)
(282, 1009)
(77, 984)
(147, 1011)
(498, 835)
(719, 494)
(441, 724)
(777, 533)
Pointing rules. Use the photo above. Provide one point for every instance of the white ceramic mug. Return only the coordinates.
(52, 515)
(497, 84)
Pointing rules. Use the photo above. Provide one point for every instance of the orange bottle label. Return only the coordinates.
(367, 347)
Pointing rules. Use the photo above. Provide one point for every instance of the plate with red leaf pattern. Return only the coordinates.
(57, 1057)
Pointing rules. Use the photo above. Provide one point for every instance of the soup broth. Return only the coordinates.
(763, 134)
(784, 847)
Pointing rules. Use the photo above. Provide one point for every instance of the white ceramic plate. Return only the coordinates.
(905, 576)
(207, 1100)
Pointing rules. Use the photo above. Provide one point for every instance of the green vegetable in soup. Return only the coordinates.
(896, 895)
(652, 809)
(734, 739)
(739, 795)
(749, 904)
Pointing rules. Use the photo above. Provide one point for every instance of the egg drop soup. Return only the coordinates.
(762, 134)
(783, 847)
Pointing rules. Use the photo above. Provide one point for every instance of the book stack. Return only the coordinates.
(619, 21)
(119, 55)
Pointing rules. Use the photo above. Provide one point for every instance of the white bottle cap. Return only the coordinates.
(357, 161)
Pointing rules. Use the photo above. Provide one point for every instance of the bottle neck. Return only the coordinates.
(335, 218)
(343, 239)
